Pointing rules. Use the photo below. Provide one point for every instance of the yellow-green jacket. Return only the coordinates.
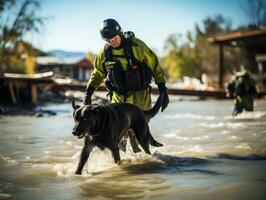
(142, 53)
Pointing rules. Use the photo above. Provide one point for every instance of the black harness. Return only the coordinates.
(136, 77)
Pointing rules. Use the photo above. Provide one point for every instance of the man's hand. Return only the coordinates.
(165, 101)
(88, 94)
(163, 90)
(87, 100)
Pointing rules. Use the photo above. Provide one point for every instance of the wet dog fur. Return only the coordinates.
(104, 126)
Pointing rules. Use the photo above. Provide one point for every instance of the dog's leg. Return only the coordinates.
(86, 150)
(140, 131)
(153, 142)
(123, 142)
(133, 141)
(116, 155)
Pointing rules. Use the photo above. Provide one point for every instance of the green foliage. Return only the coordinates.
(180, 62)
(13, 30)
(194, 55)
(90, 57)
(172, 64)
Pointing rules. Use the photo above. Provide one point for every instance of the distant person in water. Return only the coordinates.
(243, 89)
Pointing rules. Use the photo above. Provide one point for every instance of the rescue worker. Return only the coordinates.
(128, 65)
(243, 89)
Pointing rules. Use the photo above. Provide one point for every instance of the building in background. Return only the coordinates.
(76, 68)
(253, 41)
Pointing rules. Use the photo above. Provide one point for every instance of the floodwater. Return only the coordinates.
(207, 154)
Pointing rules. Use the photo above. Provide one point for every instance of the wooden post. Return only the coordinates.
(12, 93)
(34, 94)
(221, 65)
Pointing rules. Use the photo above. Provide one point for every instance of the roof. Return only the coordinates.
(50, 60)
(85, 63)
(45, 75)
(62, 61)
(254, 40)
(237, 35)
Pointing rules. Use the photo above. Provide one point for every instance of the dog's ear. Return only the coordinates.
(75, 106)
(90, 110)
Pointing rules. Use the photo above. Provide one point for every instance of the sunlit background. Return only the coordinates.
(47, 49)
(74, 25)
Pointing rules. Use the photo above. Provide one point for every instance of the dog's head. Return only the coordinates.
(84, 117)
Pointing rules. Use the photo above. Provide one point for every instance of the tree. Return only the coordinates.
(172, 42)
(194, 55)
(208, 53)
(180, 59)
(213, 25)
(90, 57)
(15, 51)
(255, 11)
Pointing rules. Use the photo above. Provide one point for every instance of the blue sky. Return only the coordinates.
(74, 24)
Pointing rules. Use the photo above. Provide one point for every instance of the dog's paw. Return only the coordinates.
(119, 162)
(78, 172)
(136, 149)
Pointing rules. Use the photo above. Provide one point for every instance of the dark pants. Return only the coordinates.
(243, 103)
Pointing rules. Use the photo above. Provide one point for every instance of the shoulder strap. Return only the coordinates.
(108, 56)
(127, 46)
(108, 53)
(128, 49)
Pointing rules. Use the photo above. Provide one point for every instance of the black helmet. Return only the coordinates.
(110, 28)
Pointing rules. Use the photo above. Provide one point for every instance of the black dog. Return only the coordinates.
(104, 126)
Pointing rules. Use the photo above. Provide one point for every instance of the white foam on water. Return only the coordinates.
(233, 137)
(69, 143)
(196, 148)
(247, 115)
(185, 138)
(98, 161)
(5, 196)
(245, 146)
(223, 125)
(65, 169)
(189, 116)
(170, 135)
(224, 132)
(173, 135)
(5, 159)
(204, 137)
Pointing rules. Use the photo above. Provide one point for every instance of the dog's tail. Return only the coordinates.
(155, 109)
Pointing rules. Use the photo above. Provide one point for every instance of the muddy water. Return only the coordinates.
(207, 154)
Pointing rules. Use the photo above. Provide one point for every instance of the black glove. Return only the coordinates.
(88, 94)
(163, 90)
